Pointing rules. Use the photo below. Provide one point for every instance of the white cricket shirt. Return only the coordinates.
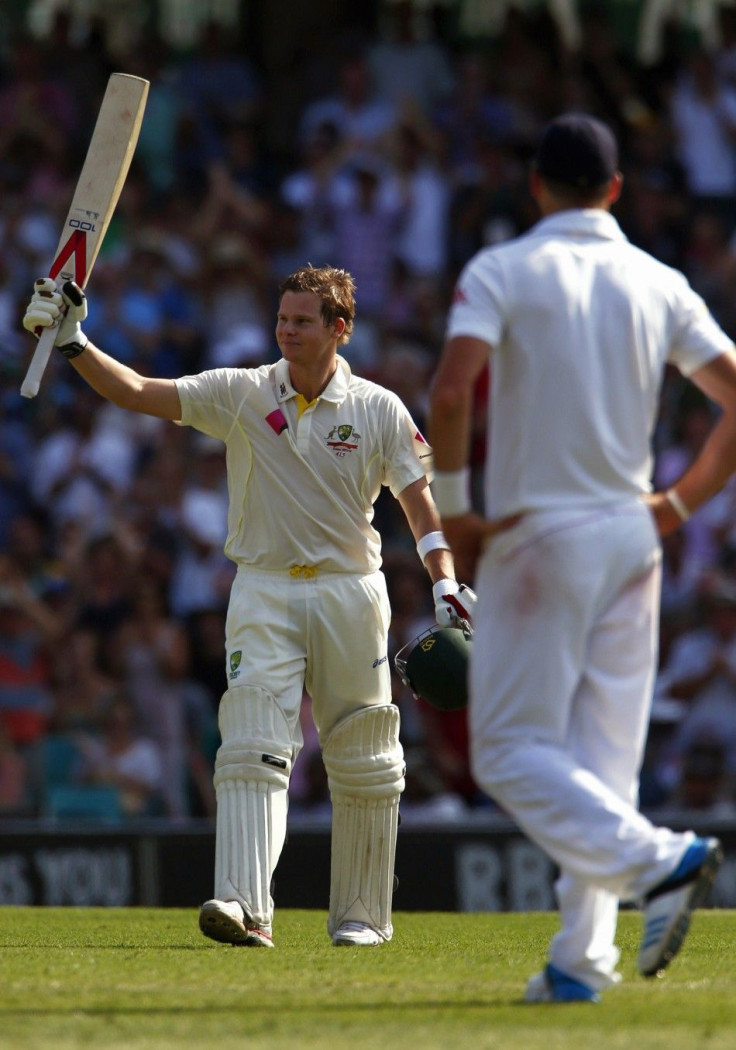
(581, 324)
(302, 489)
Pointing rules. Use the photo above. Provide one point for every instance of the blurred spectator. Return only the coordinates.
(103, 583)
(409, 65)
(710, 264)
(314, 187)
(703, 532)
(363, 120)
(486, 209)
(366, 227)
(218, 85)
(475, 112)
(705, 784)
(83, 687)
(15, 799)
(206, 630)
(701, 670)
(725, 49)
(613, 80)
(28, 633)
(421, 244)
(126, 760)
(234, 291)
(202, 575)
(655, 206)
(149, 652)
(703, 114)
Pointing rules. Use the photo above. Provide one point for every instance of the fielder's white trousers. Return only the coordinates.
(563, 667)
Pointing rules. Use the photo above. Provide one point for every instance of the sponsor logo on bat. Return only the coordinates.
(76, 246)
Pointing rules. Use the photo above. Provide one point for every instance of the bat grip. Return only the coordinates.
(40, 359)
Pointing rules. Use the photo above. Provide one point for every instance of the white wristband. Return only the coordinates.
(677, 504)
(451, 491)
(432, 541)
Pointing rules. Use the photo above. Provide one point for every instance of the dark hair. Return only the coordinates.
(579, 151)
(334, 288)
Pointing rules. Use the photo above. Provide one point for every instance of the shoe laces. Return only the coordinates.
(354, 926)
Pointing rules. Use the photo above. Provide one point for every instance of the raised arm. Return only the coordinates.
(112, 380)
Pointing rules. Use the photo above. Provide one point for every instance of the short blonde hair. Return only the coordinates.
(335, 290)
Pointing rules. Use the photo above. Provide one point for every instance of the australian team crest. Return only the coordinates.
(343, 439)
(235, 659)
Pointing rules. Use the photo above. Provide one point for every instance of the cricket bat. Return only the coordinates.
(100, 183)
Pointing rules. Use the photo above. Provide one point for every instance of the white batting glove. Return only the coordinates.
(64, 310)
(454, 603)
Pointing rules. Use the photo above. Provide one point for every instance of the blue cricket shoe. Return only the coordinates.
(669, 906)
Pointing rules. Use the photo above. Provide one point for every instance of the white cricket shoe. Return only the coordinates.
(358, 934)
(669, 906)
(226, 922)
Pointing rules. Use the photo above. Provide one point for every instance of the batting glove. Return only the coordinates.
(454, 603)
(65, 310)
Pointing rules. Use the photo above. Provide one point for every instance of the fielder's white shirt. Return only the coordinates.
(581, 324)
(302, 489)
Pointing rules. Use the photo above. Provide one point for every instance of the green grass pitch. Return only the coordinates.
(114, 978)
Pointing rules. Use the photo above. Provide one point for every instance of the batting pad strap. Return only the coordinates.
(432, 541)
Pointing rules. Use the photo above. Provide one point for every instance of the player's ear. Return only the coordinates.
(615, 187)
(338, 326)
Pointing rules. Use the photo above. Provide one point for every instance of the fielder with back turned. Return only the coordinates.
(578, 326)
(309, 446)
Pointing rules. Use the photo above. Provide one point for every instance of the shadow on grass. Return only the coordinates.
(9, 1012)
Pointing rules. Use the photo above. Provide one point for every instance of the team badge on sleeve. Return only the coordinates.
(424, 454)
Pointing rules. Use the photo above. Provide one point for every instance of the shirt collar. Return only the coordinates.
(580, 222)
(335, 390)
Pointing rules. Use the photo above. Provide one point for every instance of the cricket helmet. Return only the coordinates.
(435, 666)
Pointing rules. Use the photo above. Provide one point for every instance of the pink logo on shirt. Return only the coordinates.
(277, 421)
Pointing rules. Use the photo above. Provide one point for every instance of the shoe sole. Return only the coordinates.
(224, 929)
(701, 889)
(340, 943)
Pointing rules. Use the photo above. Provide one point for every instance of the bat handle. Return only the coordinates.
(40, 359)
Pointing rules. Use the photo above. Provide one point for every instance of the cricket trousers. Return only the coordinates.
(563, 667)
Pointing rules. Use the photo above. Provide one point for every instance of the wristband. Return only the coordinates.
(70, 350)
(677, 504)
(432, 541)
(451, 491)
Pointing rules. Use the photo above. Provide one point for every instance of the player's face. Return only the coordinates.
(301, 333)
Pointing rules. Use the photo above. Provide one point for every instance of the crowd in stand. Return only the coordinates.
(113, 585)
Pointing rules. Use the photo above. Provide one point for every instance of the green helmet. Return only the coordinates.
(435, 666)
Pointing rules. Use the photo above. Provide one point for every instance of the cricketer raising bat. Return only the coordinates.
(100, 184)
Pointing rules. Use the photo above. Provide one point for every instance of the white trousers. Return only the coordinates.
(326, 633)
(562, 673)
